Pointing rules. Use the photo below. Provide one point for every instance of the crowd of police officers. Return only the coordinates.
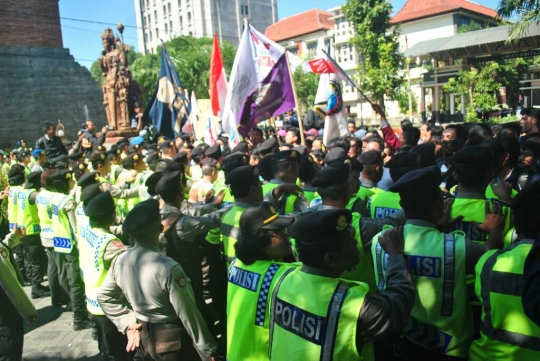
(368, 247)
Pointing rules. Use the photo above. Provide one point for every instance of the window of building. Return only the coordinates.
(465, 21)
(351, 53)
(169, 8)
(155, 16)
(327, 45)
(311, 49)
(142, 4)
(170, 27)
(246, 9)
(293, 50)
(181, 23)
(166, 28)
(150, 32)
(157, 33)
(242, 9)
(149, 19)
(164, 10)
(189, 18)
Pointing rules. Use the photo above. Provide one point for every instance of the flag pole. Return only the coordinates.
(300, 122)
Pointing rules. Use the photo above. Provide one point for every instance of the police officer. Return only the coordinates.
(16, 305)
(164, 319)
(382, 204)
(210, 169)
(285, 170)
(507, 333)
(441, 324)
(308, 169)
(98, 248)
(372, 173)
(252, 275)
(315, 315)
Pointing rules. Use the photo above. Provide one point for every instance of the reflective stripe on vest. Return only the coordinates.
(427, 335)
(263, 294)
(448, 279)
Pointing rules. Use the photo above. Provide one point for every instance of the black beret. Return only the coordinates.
(198, 150)
(134, 148)
(131, 159)
(152, 146)
(142, 215)
(286, 156)
(244, 175)
(180, 157)
(88, 179)
(355, 164)
(335, 155)
(213, 152)
(97, 157)
(15, 171)
(418, 181)
(99, 205)
(371, 157)
(528, 198)
(318, 230)
(79, 167)
(61, 174)
(404, 160)
(427, 154)
(268, 145)
(34, 177)
(233, 161)
(166, 144)
(302, 150)
(152, 181)
(90, 191)
(472, 157)
(76, 155)
(210, 162)
(242, 147)
(122, 141)
(153, 156)
(100, 148)
(168, 182)
(332, 175)
(263, 216)
(114, 150)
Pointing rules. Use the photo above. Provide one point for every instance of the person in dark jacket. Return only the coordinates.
(89, 134)
(51, 143)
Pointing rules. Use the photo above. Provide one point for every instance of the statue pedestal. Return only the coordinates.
(113, 136)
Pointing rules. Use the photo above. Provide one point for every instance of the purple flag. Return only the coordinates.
(271, 97)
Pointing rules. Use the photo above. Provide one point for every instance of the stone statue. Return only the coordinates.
(120, 91)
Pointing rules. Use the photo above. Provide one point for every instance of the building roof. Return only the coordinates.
(418, 9)
(480, 42)
(300, 24)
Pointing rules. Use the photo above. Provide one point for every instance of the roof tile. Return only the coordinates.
(300, 24)
(417, 9)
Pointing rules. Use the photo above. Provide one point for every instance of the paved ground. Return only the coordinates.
(51, 337)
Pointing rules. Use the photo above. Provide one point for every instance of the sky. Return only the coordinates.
(89, 18)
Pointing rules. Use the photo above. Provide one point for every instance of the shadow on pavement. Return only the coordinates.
(45, 315)
(57, 358)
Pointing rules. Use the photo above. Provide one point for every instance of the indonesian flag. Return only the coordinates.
(326, 65)
(218, 80)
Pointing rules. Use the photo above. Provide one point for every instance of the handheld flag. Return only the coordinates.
(191, 124)
(218, 80)
(169, 107)
(271, 97)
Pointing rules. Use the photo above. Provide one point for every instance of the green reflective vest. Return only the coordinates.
(489, 192)
(248, 308)
(384, 204)
(27, 214)
(365, 192)
(214, 235)
(45, 210)
(13, 208)
(441, 318)
(310, 193)
(363, 271)
(230, 231)
(506, 333)
(286, 204)
(92, 245)
(314, 318)
(63, 234)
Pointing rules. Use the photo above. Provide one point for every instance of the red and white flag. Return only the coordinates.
(218, 80)
(326, 65)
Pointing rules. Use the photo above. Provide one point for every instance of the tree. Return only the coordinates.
(95, 70)
(526, 12)
(376, 40)
(306, 87)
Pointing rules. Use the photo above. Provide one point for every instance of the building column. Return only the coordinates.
(422, 103)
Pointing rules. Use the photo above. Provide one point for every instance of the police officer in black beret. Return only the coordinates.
(372, 173)
(158, 290)
(327, 249)
(214, 152)
(168, 149)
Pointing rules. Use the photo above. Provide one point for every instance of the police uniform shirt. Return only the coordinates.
(168, 296)
(300, 204)
(199, 189)
(10, 281)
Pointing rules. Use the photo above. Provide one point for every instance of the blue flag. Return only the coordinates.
(169, 108)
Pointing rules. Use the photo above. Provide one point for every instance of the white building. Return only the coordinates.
(166, 19)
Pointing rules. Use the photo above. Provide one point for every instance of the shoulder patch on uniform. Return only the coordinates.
(181, 280)
(118, 244)
(3, 252)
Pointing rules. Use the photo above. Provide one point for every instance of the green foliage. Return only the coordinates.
(473, 26)
(402, 97)
(377, 42)
(306, 87)
(526, 12)
(95, 70)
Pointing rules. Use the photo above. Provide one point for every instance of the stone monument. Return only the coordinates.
(122, 95)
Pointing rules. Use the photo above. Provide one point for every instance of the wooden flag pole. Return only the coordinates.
(300, 123)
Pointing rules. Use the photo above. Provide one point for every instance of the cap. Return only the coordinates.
(210, 162)
(427, 154)
(97, 157)
(472, 157)
(100, 148)
(197, 151)
(360, 134)
(61, 174)
(166, 144)
(332, 175)
(418, 181)
(213, 152)
(99, 205)
(318, 230)
(37, 152)
(34, 177)
(114, 150)
(153, 156)
(15, 170)
(335, 155)
(152, 181)
(233, 161)
(371, 157)
(169, 181)
(142, 215)
(88, 179)
(181, 157)
(137, 141)
(90, 191)
(312, 132)
(80, 166)
(122, 142)
(268, 146)
(528, 198)
(243, 175)
(287, 156)
(242, 147)
(263, 216)
(134, 148)
(404, 160)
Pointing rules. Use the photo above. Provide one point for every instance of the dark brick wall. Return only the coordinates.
(33, 23)
(45, 84)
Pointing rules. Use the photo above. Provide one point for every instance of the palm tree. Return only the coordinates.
(526, 12)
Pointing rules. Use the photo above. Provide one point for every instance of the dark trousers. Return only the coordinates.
(18, 251)
(69, 277)
(165, 342)
(112, 344)
(34, 255)
(58, 295)
(11, 331)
